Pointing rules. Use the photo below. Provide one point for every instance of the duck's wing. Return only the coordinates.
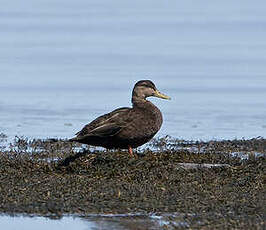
(106, 125)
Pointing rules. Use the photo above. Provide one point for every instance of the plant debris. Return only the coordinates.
(34, 180)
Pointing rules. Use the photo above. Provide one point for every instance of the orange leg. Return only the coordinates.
(130, 151)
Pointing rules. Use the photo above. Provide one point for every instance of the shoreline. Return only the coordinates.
(111, 182)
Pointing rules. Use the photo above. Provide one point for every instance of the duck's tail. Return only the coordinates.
(73, 139)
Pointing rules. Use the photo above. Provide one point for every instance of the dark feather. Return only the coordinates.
(124, 127)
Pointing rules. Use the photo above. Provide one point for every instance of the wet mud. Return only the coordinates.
(36, 180)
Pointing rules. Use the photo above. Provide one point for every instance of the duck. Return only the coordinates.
(125, 127)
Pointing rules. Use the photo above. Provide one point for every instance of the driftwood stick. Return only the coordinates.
(201, 166)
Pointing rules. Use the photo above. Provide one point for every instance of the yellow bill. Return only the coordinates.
(161, 95)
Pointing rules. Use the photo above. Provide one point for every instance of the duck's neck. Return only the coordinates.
(138, 102)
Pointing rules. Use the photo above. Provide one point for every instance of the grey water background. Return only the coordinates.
(63, 63)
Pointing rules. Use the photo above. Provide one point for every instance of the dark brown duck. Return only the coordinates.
(126, 128)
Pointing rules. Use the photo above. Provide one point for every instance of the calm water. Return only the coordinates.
(100, 222)
(64, 63)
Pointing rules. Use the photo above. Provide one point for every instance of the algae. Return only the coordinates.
(34, 181)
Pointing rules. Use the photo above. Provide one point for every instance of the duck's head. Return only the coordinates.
(146, 88)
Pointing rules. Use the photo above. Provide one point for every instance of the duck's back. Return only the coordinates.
(123, 127)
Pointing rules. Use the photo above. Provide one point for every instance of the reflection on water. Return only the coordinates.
(42, 223)
(97, 222)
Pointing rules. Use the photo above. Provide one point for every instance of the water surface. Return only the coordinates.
(64, 63)
(95, 222)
